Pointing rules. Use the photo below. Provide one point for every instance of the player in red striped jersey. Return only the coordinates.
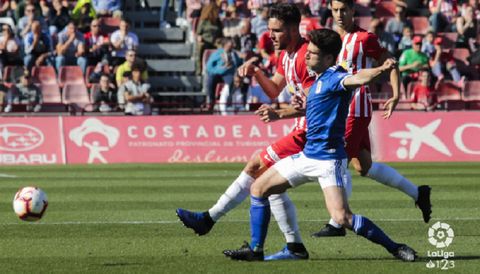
(359, 50)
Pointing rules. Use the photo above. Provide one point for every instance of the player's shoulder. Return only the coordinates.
(363, 34)
(336, 69)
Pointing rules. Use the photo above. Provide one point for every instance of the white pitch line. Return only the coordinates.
(227, 221)
(3, 175)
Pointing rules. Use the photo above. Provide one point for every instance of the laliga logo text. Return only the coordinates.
(89, 126)
(419, 136)
(441, 235)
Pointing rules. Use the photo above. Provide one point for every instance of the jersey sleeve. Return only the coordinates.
(372, 46)
(335, 81)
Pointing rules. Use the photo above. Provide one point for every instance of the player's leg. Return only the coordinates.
(337, 205)
(271, 182)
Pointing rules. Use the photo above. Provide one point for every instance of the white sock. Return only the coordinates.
(233, 196)
(390, 177)
(347, 182)
(285, 214)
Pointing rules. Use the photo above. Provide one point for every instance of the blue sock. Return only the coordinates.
(259, 219)
(366, 228)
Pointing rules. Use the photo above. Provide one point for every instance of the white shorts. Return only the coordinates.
(299, 169)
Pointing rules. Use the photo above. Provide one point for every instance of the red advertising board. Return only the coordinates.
(431, 136)
(31, 141)
(169, 139)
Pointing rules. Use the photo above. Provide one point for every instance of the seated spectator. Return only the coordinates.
(209, 29)
(396, 24)
(26, 93)
(3, 95)
(423, 93)
(386, 39)
(83, 14)
(260, 21)
(221, 66)
(414, 7)
(6, 9)
(131, 60)
(246, 41)
(71, 49)
(406, 41)
(38, 47)
(122, 40)
(96, 44)
(105, 98)
(25, 23)
(232, 99)
(467, 26)
(443, 15)
(134, 94)
(20, 6)
(108, 8)
(58, 17)
(412, 61)
(9, 48)
(432, 47)
(308, 22)
(232, 23)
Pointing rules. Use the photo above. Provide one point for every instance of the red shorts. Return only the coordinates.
(291, 144)
(356, 136)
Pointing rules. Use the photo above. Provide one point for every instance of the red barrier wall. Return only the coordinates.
(407, 136)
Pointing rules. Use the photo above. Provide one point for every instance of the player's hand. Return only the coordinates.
(248, 68)
(389, 107)
(299, 102)
(389, 64)
(267, 114)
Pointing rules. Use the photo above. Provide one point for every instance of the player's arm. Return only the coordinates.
(395, 82)
(271, 86)
(366, 76)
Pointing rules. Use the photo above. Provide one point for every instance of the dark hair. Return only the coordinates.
(136, 67)
(287, 13)
(327, 40)
(349, 3)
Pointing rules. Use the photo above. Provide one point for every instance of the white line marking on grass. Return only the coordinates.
(3, 175)
(227, 221)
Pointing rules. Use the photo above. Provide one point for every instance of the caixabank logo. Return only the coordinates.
(440, 235)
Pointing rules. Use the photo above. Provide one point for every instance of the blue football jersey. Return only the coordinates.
(327, 110)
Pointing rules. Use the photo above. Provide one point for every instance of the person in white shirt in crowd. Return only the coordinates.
(122, 40)
(134, 94)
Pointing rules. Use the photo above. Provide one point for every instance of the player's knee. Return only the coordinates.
(257, 190)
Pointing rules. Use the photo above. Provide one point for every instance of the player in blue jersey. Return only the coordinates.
(324, 157)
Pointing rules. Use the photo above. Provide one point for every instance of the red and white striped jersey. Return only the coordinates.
(359, 48)
(294, 69)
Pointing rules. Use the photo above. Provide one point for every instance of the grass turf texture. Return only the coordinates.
(121, 219)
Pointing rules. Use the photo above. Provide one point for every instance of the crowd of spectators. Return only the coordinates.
(225, 34)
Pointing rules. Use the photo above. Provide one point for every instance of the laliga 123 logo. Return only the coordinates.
(440, 235)
(94, 126)
(419, 136)
(19, 137)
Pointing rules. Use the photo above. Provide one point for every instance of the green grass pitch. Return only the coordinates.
(121, 219)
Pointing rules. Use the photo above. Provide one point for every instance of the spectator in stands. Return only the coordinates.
(396, 24)
(423, 93)
(406, 41)
(3, 95)
(9, 48)
(232, 23)
(233, 98)
(386, 39)
(112, 8)
(412, 61)
(83, 14)
(209, 29)
(260, 21)
(105, 98)
(256, 97)
(432, 47)
(265, 46)
(58, 17)
(221, 66)
(467, 26)
(6, 9)
(21, 5)
(308, 22)
(134, 94)
(443, 15)
(414, 7)
(25, 23)
(71, 49)
(96, 44)
(131, 60)
(246, 42)
(26, 93)
(38, 47)
(122, 40)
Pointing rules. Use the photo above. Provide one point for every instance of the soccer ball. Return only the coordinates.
(30, 203)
